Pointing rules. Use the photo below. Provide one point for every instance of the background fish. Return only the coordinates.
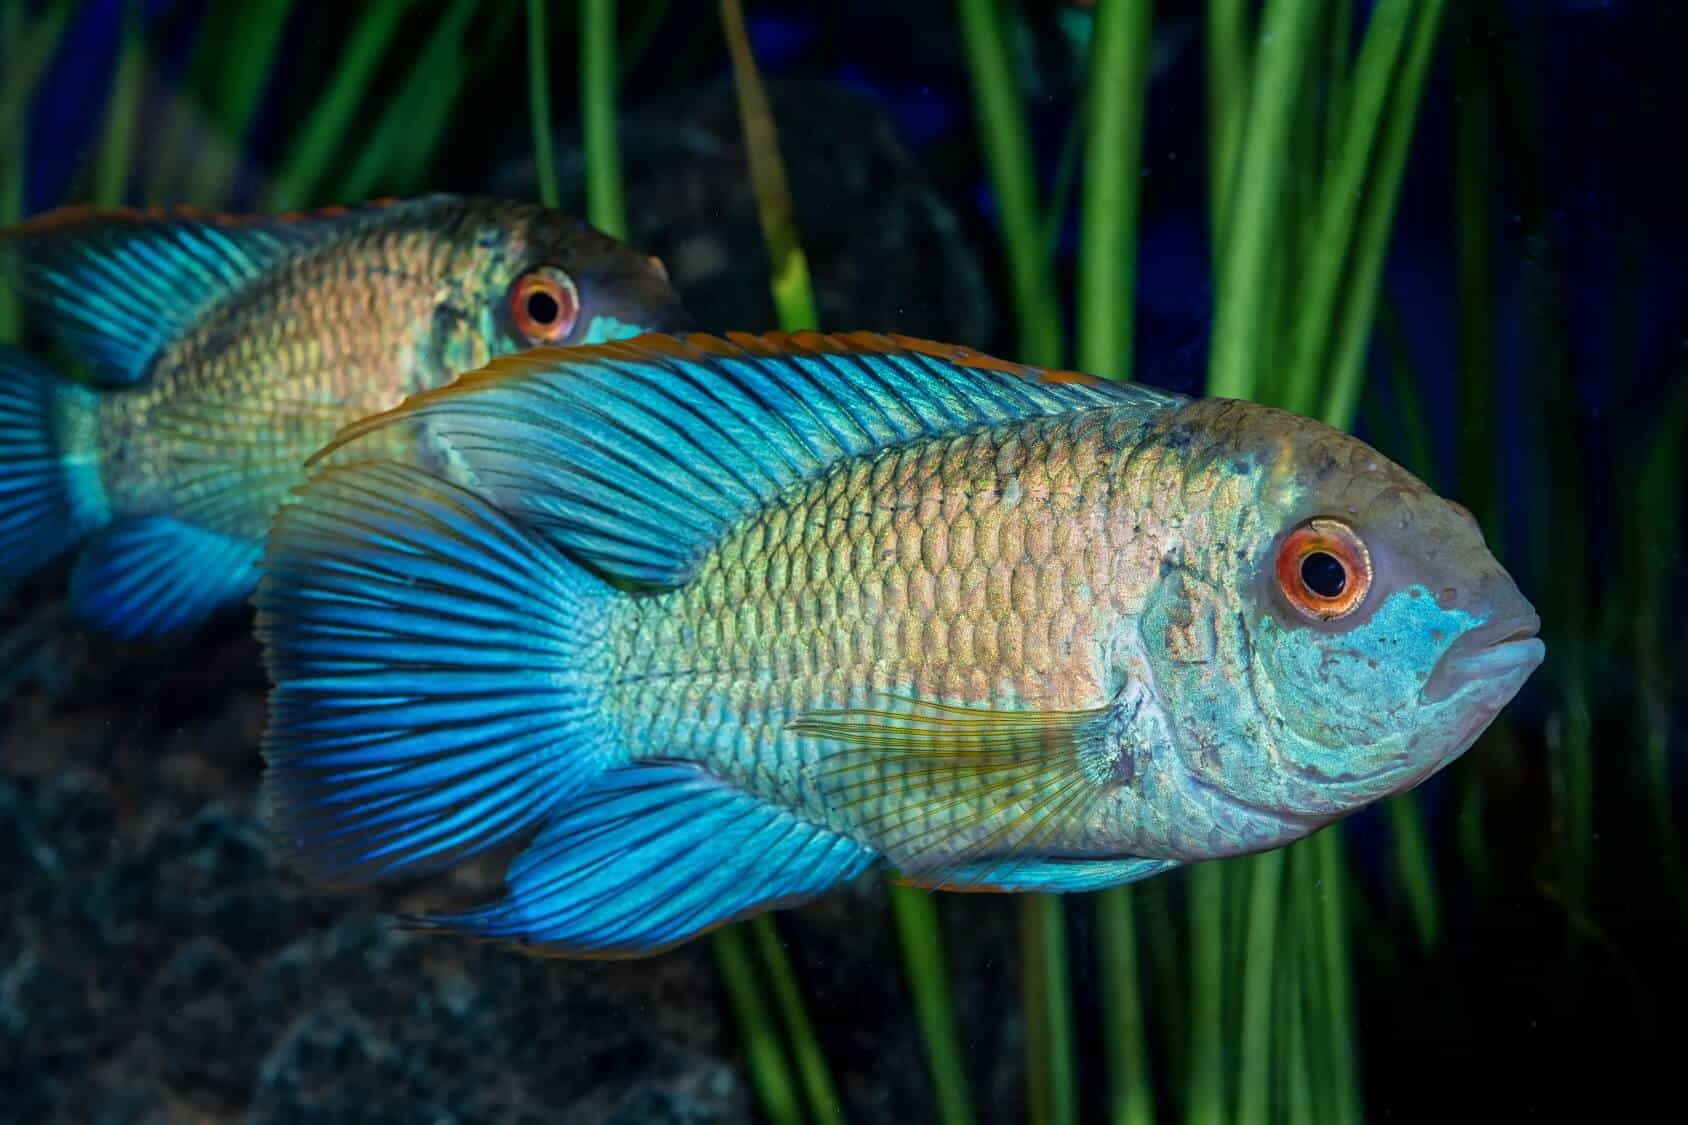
(730, 621)
(223, 350)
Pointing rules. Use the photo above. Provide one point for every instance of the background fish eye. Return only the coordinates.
(544, 304)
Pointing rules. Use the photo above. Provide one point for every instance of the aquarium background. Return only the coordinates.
(1490, 279)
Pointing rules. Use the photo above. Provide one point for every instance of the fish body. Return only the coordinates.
(222, 350)
(730, 621)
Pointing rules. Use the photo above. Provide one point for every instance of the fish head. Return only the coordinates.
(1376, 634)
(544, 278)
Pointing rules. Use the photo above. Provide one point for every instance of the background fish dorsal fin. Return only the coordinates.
(637, 455)
(113, 286)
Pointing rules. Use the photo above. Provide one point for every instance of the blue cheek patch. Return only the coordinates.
(1377, 667)
(603, 329)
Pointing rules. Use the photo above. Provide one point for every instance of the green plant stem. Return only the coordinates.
(413, 125)
(1655, 547)
(923, 963)
(1205, 1096)
(1299, 1080)
(1052, 1077)
(1113, 151)
(1321, 283)
(1337, 71)
(598, 119)
(30, 48)
(331, 118)
(651, 19)
(251, 32)
(1414, 867)
(1061, 191)
(117, 145)
(1354, 323)
(1244, 299)
(1408, 405)
(812, 1070)
(1007, 147)
(1259, 973)
(1474, 138)
(35, 45)
(539, 108)
(1130, 1098)
(770, 1071)
(1342, 1088)
(1227, 107)
(794, 297)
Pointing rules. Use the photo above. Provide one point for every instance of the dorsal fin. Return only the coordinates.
(637, 455)
(114, 285)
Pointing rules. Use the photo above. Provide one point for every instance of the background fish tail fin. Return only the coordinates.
(437, 674)
(50, 492)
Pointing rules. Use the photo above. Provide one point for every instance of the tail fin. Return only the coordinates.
(50, 492)
(437, 675)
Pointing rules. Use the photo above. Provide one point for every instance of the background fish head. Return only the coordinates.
(536, 277)
(1362, 633)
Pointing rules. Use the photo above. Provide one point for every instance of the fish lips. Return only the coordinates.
(1496, 658)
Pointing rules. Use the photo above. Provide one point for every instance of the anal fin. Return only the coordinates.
(149, 576)
(653, 856)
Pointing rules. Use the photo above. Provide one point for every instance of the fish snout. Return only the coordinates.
(1504, 648)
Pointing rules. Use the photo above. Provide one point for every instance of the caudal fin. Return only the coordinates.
(436, 670)
(50, 493)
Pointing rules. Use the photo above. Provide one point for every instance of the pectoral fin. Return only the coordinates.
(941, 789)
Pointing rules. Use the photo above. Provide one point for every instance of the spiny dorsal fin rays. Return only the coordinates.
(936, 785)
(114, 286)
(637, 455)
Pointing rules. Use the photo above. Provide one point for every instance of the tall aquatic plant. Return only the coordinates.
(231, 64)
(1330, 233)
(330, 119)
(398, 151)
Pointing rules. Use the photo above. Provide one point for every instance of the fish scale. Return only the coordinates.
(938, 570)
(321, 331)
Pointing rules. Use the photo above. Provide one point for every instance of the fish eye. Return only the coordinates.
(544, 305)
(1324, 569)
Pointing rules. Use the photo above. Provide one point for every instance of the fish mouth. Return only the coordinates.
(1504, 650)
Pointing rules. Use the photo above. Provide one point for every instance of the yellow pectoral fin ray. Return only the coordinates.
(937, 788)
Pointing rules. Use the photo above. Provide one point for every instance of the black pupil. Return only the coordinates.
(543, 308)
(1322, 573)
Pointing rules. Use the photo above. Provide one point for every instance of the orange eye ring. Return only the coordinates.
(544, 305)
(1324, 570)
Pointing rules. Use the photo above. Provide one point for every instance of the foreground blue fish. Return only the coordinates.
(728, 622)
